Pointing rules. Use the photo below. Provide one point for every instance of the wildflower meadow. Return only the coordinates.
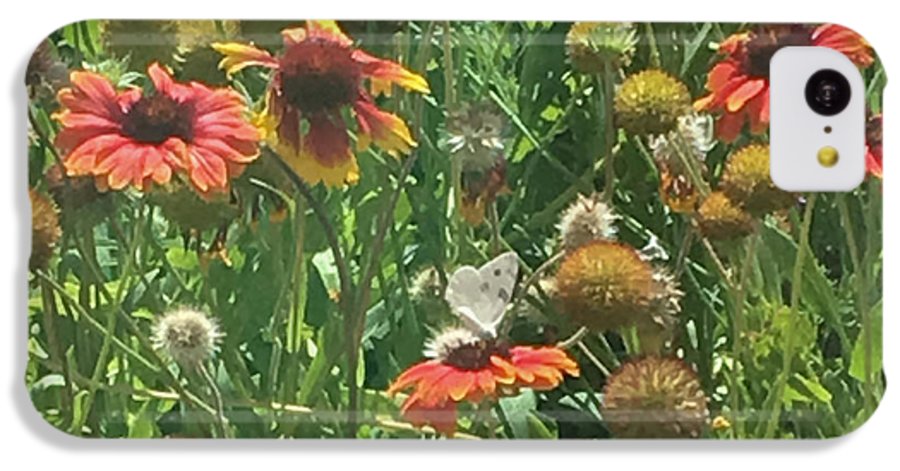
(416, 229)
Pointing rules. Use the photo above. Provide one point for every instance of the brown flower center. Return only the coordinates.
(874, 131)
(155, 118)
(319, 75)
(475, 355)
(764, 43)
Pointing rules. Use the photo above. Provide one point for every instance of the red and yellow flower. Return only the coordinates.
(137, 137)
(873, 147)
(738, 85)
(317, 78)
(466, 367)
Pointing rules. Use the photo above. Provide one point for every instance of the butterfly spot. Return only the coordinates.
(503, 294)
(485, 287)
(497, 272)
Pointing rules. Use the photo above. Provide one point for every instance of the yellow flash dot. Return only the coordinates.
(828, 156)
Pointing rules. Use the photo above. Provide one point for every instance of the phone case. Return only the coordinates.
(435, 229)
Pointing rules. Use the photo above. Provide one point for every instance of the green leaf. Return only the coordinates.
(516, 410)
(792, 395)
(141, 424)
(815, 388)
(182, 259)
(537, 428)
(78, 407)
(49, 381)
(858, 358)
(327, 350)
(693, 46)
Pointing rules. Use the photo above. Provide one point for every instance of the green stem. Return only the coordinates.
(157, 365)
(774, 401)
(100, 366)
(356, 321)
(573, 339)
(494, 220)
(534, 277)
(690, 164)
(739, 298)
(224, 430)
(593, 358)
(48, 301)
(609, 82)
(860, 278)
(655, 58)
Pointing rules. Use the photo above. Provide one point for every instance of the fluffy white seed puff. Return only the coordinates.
(187, 335)
(585, 220)
(694, 130)
(443, 345)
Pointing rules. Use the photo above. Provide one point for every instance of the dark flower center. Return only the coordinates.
(874, 131)
(319, 75)
(155, 118)
(764, 43)
(476, 355)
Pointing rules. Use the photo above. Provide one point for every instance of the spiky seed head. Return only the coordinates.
(650, 103)
(655, 397)
(720, 219)
(592, 46)
(182, 205)
(45, 231)
(747, 182)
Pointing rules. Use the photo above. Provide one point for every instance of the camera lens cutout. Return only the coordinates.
(828, 92)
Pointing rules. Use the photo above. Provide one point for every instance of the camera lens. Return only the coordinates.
(827, 92)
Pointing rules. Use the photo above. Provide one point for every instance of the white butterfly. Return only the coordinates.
(480, 296)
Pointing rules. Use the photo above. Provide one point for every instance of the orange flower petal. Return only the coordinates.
(385, 129)
(758, 112)
(729, 126)
(721, 74)
(328, 29)
(384, 72)
(442, 418)
(239, 56)
(292, 36)
(413, 375)
(846, 41)
(460, 385)
(97, 91)
(744, 93)
(83, 159)
(207, 170)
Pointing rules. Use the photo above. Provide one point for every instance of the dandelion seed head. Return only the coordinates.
(188, 336)
(586, 219)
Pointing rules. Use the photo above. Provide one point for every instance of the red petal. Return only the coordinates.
(845, 41)
(94, 94)
(327, 140)
(390, 72)
(207, 170)
(720, 74)
(729, 126)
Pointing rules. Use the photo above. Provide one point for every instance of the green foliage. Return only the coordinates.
(785, 337)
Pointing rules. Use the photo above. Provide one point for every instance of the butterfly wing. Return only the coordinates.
(480, 296)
